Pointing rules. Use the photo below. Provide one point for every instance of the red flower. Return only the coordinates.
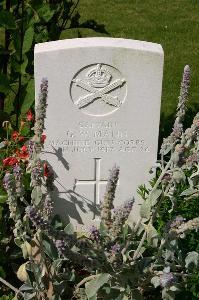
(47, 171)
(29, 116)
(23, 152)
(10, 161)
(43, 137)
(17, 137)
(24, 148)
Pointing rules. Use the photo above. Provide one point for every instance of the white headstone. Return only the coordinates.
(103, 109)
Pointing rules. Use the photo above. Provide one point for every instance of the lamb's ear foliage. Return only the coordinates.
(119, 259)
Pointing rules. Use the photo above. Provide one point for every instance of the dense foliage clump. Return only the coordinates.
(155, 257)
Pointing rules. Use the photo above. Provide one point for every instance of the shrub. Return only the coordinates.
(22, 24)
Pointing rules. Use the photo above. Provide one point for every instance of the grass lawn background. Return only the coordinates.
(173, 24)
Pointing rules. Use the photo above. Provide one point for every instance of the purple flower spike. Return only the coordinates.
(115, 248)
(167, 279)
(94, 233)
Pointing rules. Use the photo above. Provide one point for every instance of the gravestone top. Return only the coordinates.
(99, 42)
(103, 109)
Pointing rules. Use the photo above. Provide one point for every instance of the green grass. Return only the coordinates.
(172, 23)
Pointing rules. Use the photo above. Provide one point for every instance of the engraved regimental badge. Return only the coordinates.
(98, 89)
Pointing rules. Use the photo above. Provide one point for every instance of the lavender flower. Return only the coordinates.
(31, 146)
(109, 196)
(37, 220)
(8, 182)
(192, 160)
(94, 233)
(167, 279)
(40, 112)
(17, 172)
(176, 222)
(173, 138)
(47, 206)
(36, 174)
(127, 207)
(10, 187)
(192, 134)
(183, 92)
(122, 212)
(61, 246)
(119, 217)
(115, 248)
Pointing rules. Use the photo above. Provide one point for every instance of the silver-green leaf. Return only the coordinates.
(94, 285)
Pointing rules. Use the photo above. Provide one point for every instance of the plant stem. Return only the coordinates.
(85, 280)
(10, 286)
(6, 56)
(136, 253)
(20, 62)
(64, 23)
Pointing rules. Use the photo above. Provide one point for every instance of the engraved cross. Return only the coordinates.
(96, 182)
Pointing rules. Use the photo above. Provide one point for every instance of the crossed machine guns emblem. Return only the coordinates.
(98, 83)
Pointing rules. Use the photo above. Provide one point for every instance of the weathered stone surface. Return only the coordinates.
(103, 109)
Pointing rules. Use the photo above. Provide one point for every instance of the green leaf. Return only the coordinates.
(152, 235)
(22, 273)
(145, 209)
(102, 229)
(16, 42)
(49, 248)
(58, 263)
(2, 272)
(36, 195)
(174, 288)
(154, 196)
(18, 241)
(94, 285)
(57, 222)
(4, 84)
(155, 281)
(125, 230)
(179, 176)
(168, 295)
(3, 198)
(28, 296)
(188, 192)
(26, 287)
(192, 259)
(29, 97)
(28, 39)
(69, 229)
(2, 145)
(93, 298)
(24, 65)
(26, 249)
(45, 12)
(7, 20)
